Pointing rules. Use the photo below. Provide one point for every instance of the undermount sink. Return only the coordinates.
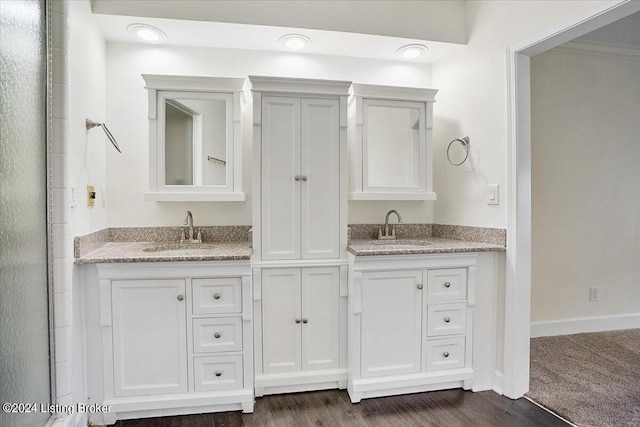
(162, 247)
(400, 242)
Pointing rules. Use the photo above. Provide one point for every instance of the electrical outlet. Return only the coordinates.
(91, 195)
(73, 203)
(493, 194)
(593, 294)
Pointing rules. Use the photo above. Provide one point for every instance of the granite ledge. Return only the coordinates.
(433, 245)
(127, 252)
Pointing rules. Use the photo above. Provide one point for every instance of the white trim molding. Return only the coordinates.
(602, 50)
(518, 286)
(550, 328)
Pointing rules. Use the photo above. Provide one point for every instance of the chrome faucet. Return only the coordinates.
(188, 220)
(384, 234)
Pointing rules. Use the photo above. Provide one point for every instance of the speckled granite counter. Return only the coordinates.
(424, 245)
(156, 244)
(145, 252)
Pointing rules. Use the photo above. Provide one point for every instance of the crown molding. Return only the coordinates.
(595, 49)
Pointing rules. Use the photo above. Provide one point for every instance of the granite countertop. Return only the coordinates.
(424, 245)
(169, 251)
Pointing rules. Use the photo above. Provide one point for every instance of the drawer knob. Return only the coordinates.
(180, 297)
(218, 374)
(217, 335)
(420, 286)
(447, 284)
(298, 320)
(447, 319)
(216, 296)
(445, 354)
(298, 177)
(305, 320)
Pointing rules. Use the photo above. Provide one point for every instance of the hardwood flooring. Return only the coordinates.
(448, 408)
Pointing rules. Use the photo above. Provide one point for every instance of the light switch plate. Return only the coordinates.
(91, 195)
(493, 194)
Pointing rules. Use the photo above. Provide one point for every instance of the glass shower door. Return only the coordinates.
(24, 300)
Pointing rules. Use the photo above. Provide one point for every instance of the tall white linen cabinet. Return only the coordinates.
(299, 234)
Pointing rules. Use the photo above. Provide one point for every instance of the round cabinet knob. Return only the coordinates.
(447, 319)
(447, 284)
(216, 296)
(218, 374)
(420, 286)
(180, 297)
(217, 335)
(305, 177)
(298, 320)
(445, 354)
(298, 177)
(305, 320)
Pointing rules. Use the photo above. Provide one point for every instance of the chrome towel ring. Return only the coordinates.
(465, 143)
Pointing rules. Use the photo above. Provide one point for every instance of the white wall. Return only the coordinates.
(87, 100)
(472, 101)
(86, 165)
(585, 185)
(127, 173)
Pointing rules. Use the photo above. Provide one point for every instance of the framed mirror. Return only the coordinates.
(390, 145)
(195, 140)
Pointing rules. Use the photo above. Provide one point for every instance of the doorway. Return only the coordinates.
(518, 290)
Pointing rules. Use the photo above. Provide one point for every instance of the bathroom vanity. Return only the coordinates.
(172, 337)
(184, 322)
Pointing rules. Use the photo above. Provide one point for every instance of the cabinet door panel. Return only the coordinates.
(281, 334)
(280, 190)
(321, 307)
(391, 322)
(149, 337)
(321, 191)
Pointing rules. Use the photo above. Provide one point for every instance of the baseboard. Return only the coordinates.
(498, 382)
(77, 419)
(549, 328)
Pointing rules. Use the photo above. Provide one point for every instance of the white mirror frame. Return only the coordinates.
(162, 87)
(363, 95)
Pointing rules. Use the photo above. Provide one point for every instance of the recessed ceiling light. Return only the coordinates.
(412, 51)
(147, 33)
(295, 41)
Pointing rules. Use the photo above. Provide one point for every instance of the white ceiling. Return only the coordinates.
(622, 33)
(260, 37)
(438, 20)
(364, 28)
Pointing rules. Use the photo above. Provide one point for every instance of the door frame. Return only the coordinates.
(517, 318)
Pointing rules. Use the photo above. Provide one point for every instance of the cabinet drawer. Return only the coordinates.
(217, 373)
(217, 334)
(445, 354)
(446, 285)
(446, 319)
(212, 296)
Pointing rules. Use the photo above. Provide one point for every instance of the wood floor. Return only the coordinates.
(449, 408)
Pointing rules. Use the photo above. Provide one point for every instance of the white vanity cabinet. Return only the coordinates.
(410, 323)
(300, 319)
(177, 338)
(300, 179)
(149, 336)
(299, 233)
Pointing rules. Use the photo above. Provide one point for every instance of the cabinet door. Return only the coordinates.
(391, 322)
(321, 317)
(149, 337)
(280, 189)
(281, 334)
(320, 192)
